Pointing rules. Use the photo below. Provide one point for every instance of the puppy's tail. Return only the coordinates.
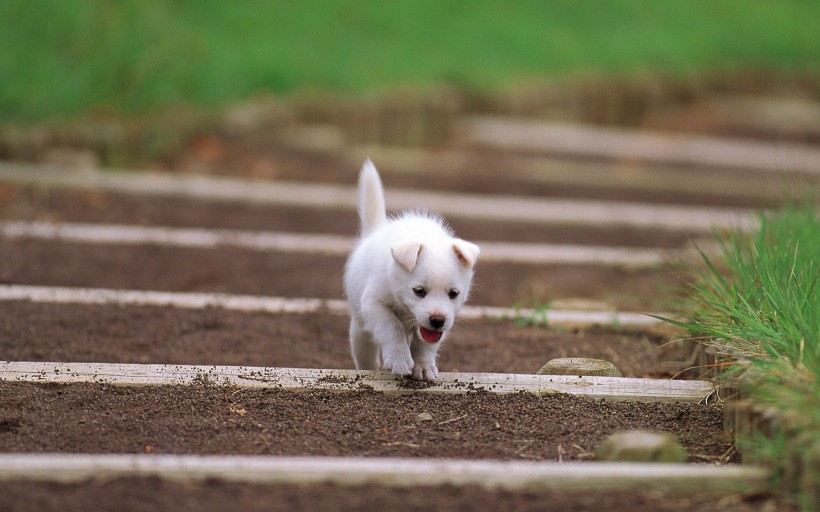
(372, 212)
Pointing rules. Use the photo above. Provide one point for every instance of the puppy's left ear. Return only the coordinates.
(407, 254)
(466, 252)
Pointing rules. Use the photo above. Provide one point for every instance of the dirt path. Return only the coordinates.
(218, 496)
(212, 419)
(206, 418)
(74, 333)
(299, 275)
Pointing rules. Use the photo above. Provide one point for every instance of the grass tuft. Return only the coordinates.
(758, 308)
(535, 316)
(763, 307)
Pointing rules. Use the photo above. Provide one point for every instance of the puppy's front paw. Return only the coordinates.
(398, 363)
(423, 371)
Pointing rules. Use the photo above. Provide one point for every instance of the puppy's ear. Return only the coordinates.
(406, 254)
(466, 252)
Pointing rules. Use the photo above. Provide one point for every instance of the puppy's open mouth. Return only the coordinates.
(430, 336)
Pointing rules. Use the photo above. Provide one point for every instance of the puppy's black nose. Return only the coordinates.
(437, 321)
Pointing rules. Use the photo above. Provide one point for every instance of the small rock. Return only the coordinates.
(641, 446)
(71, 158)
(580, 366)
(424, 416)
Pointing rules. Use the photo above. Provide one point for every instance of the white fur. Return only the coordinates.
(394, 260)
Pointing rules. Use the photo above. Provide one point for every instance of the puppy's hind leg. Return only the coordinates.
(365, 351)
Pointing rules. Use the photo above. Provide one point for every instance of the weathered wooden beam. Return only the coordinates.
(326, 244)
(659, 148)
(276, 305)
(514, 475)
(351, 380)
(329, 196)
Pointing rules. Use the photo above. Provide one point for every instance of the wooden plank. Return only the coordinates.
(277, 305)
(336, 245)
(512, 475)
(326, 196)
(617, 388)
(534, 168)
(655, 147)
(185, 300)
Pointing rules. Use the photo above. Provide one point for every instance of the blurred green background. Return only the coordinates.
(63, 58)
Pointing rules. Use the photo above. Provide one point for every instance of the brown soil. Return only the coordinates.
(212, 419)
(218, 496)
(34, 203)
(241, 271)
(301, 275)
(471, 170)
(113, 334)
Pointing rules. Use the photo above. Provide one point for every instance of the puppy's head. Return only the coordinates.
(432, 281)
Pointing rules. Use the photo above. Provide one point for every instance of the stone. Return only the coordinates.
(424, 416)
(580, 366)
(641, 446)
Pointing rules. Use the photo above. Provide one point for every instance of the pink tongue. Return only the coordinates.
(430, 336)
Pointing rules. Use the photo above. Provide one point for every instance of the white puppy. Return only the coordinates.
(405, 280)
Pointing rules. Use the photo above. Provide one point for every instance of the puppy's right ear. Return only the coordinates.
(466, 252)
(407, 254)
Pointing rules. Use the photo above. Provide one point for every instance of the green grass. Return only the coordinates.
(63, 57)
(767, 308)
(537, 316)
(759, 308)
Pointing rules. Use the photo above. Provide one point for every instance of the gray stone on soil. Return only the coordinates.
(580, 366)
(641, 446)
(424, 416)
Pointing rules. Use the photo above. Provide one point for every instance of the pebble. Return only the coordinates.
(424, 416)
(641, 446)
(580, 366)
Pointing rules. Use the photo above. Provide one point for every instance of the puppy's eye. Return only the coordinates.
(453, 294)
(420, 292)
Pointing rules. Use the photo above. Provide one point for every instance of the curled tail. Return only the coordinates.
(372, 212)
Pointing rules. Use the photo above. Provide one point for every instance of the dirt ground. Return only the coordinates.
(148, 494)
(54, 205)
(218, 420)
(231, 270)
(211, 419)
(118, 334)
(281, 274)
(207, 418)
